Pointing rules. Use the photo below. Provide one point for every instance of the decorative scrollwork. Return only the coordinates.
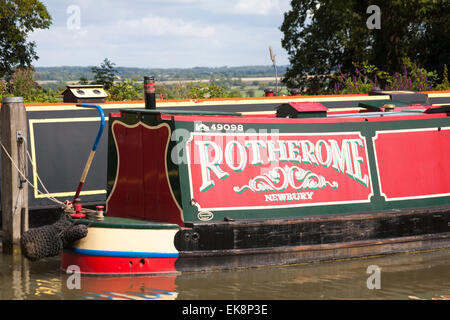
(279, 179)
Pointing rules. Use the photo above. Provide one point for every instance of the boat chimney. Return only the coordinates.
(149, 90)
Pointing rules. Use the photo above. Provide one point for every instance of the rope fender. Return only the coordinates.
(50, 240)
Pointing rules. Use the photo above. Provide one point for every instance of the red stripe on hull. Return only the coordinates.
(118, 265)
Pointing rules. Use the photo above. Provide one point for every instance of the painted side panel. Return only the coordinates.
(128, 242)
(252, 168)
(142, 189)
(260, 171)
(413, 163)
(123, 251)
(224, 177)
(117, 265)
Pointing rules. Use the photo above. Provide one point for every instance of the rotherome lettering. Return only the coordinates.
(218, 161)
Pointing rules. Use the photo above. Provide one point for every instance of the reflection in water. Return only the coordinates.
(403, 276)
(125, 288)
(24, 280)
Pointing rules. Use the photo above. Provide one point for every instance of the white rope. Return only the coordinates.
(26, 179)
(42, 184)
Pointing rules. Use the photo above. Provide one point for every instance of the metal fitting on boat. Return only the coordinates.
(77, 206)
(99, 213)
(389, 107)
(149, 91)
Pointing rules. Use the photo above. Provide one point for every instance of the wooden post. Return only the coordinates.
(14, 190)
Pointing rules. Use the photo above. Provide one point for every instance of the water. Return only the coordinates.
(424, 275)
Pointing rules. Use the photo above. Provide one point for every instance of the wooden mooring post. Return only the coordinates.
(14, 188)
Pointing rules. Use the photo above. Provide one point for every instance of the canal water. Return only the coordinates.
(409, 276)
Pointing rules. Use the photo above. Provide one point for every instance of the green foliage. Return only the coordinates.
(17, 19)
(74, 73)
(174, 91)
(319, 35)
(445, 85)
(207, 91)
(22, 84)
(3, 88)
(126, 90)
(83, 80)
(45, 95)
(366, 76)
(105, 74)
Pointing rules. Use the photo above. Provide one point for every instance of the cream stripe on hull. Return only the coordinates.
(129, 240)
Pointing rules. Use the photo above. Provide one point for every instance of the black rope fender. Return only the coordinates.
(50, 240)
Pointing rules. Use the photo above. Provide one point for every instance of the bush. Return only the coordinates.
(125, 91)
(175, 91)
(445, 85)
(366, 76)
(207, 91)
(22, 84)
(3, 88)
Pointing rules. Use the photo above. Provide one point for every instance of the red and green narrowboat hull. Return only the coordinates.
(209, 191)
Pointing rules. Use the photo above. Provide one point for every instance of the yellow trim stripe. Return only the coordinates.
(193, 103)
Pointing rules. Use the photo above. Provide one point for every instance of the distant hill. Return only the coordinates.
(69, 73)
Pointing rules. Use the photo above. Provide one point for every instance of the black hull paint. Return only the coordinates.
(252, 243)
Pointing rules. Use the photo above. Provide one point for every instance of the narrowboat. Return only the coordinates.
(192, 191)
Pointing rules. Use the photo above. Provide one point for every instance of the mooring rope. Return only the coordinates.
(47, 194)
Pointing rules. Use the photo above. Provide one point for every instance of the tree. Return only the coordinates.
(17, 19)
(319, 35)
(105, 74)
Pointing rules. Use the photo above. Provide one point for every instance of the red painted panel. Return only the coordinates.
(306, 106)
(127, 197)
(160, 203)
(142, 189)
(117, 265)
(413, 163)
(232, 171)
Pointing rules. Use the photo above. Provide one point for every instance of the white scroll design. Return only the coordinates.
(279, 179)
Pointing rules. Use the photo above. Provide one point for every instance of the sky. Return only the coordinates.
(162, 33)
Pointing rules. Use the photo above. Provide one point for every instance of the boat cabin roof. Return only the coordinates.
(366, 109)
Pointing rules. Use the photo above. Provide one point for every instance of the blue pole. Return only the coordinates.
(94, 147)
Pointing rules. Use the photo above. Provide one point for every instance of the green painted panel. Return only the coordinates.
(126, 223)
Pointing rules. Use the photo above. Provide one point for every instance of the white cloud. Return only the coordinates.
(169, 33)
(161, 26)
(261, 7)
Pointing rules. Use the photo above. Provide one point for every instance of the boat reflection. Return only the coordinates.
(415, 276)
(123, 287)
